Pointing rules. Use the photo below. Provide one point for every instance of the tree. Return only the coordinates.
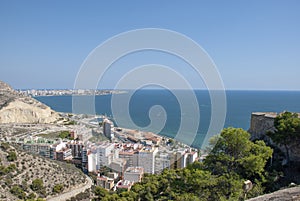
(235, 153)
(37, 185)
(100, 192)
(287, 131)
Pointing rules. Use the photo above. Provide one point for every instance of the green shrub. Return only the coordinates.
(12, 156)
(18, 192)
(37, 185)
(58, 188)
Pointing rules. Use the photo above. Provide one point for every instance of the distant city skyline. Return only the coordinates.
(255, 44)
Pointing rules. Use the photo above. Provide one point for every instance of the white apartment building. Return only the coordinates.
(130, 156)
(146, 159)
(92, 158)
(105, 154)
(163, 161)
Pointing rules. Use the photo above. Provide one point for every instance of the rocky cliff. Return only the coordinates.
(15, 108)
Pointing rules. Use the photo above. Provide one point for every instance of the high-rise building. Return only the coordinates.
(76, 147)
(107, 128)
(104, 154)
(146, 159)
(130, 156)
(92, 158)
(118, 165)
(84, 159)
(64, 154)
(164, 161)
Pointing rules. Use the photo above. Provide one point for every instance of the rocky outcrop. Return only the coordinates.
(289, 194)
(16, 108)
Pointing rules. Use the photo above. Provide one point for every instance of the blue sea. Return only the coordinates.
(240, 105)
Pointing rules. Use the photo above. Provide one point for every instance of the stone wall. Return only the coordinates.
(263, 122)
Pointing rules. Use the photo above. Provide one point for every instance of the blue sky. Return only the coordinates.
(255, 44)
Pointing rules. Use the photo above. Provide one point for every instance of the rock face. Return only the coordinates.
(15, 108)
(290, 194)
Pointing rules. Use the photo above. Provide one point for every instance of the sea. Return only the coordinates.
(239, 106)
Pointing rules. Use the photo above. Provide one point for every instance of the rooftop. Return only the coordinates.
(134, 170)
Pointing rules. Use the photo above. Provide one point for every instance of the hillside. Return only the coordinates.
(15, 108)
(24, 176)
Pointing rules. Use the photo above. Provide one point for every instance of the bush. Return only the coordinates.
(18, 191)
(31, 196)
(12, 156)
(37, 185)
(58, 188)
(11, 168)
(5, 146)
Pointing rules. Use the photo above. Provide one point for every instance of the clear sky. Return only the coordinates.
(255, 44)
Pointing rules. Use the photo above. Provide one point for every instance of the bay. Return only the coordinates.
(240, 105)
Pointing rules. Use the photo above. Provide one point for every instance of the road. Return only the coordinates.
(72, 192)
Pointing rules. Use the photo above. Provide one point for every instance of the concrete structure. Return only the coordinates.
(124, 185)
(108, 128)
(64, 154)
(146, 159)
(163, 161)
(104, 154)
(76, 147)
(134, 174)
(192, 157)
(118, 165)
(41, 149)
(180, 159)
(261, 123)
(92, 158)
(84, 159)
(39, 146)
(105, 182)
(130, 156)
(112, 175)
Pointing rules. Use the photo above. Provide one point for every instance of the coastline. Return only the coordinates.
(68, 92)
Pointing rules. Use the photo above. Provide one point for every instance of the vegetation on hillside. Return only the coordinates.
(64, 135)
(24, 176)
